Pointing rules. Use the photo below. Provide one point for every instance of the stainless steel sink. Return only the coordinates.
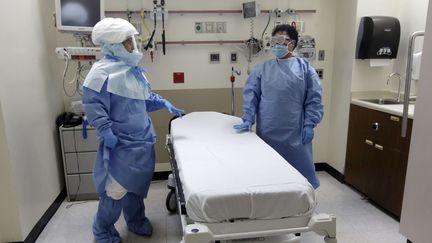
(383, 101)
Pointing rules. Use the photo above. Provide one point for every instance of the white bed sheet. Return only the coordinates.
(228, 175)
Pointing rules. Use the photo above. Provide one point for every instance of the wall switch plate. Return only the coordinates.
(320, 73)
(214, 58)
(321, 55)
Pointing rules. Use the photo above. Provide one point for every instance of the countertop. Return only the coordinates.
(391, 109)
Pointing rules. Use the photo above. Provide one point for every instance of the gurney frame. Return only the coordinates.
(199, 232)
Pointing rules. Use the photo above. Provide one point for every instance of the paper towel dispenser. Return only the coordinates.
(378, 38)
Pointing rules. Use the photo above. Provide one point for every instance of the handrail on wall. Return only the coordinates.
(408, 81)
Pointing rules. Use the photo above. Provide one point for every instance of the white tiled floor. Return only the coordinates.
(357, 220)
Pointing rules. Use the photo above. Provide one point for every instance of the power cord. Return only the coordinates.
(268, 22)
(67, 57)
(76, 79)
(78, 165)
(76, 203)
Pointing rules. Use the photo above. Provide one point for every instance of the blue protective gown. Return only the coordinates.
(132, 161)
(118, 96)
(284, 95)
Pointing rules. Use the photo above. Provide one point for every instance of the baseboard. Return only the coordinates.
(161, 175)
(322, 166)
(46, 217)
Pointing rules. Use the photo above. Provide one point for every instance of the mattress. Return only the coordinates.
(228, 175)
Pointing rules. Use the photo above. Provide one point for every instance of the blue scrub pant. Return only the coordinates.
(109, 212)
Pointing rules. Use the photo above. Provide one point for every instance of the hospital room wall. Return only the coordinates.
(30, 100)
(9, 219)
(201, 77)
(346, 13)
(351, 74)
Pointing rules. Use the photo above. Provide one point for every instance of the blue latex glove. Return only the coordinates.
(245, 126)
(172, 109)
(110, 140)
(308, 134)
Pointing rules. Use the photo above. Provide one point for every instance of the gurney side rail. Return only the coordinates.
(174, 168)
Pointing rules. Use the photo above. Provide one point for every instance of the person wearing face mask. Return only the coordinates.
(117, 97)
(283, 96)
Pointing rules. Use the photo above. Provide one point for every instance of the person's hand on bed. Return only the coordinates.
(173, 110)
(245, 126)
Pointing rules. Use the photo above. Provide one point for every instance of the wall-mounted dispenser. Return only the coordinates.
(378, 38)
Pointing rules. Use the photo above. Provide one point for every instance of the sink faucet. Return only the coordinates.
(398, 99)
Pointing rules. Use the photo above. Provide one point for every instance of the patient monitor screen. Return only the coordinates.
(81, 13)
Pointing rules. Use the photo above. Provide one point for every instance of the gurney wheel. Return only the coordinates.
(171, 202)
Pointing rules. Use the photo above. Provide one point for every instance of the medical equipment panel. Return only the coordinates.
(79, 53)
(306, 48)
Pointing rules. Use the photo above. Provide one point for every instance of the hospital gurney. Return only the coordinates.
(228, 185)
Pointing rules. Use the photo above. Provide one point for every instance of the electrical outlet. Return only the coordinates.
(199, 27)
(321, 55)
(320, 73)
(221, 27)
(266, 42)
(233, 57)
(209, 27)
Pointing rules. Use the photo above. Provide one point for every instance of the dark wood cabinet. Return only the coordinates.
(377, 156)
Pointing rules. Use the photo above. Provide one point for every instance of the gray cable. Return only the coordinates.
(78, 166)
(67, 57)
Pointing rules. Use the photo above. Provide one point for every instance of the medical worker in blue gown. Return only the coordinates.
(117, 97)
(283, 96)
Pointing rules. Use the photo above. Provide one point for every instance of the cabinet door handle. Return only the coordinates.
(375, 126)
(379, 147)
(369, 142)
(395, 118)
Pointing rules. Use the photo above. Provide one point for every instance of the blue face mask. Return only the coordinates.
(118, 50)
(280, 51)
